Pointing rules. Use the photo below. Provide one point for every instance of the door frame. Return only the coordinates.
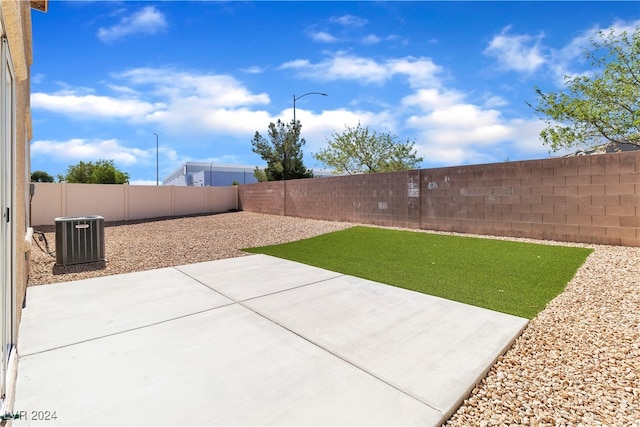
(7, 217)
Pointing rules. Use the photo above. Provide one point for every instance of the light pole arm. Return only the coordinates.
(301, 96)
(309, 93)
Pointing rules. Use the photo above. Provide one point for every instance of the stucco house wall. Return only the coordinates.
(16, 22)
(15, 29)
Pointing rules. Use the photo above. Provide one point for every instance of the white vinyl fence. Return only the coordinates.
(117, 202)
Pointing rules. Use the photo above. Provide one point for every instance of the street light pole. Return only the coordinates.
(295, 124)
(157, 175)
(295, 99)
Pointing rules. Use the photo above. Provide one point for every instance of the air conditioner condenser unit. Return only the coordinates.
(79, 239)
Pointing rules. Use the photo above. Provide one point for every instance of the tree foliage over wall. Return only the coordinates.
(602, 106)
(360, 150)
(282, 151)
(100, 172)
(41, 176)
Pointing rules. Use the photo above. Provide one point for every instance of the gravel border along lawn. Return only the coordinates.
(576, 363)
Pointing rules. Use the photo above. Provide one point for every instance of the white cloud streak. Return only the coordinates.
(146, 21)
(342, 66)
(85, 150)
(349, 21)
(566, 59)
(323, 37)
(448, 129)
(177, 100)
(371, 39)
(521, 53)
(452, 131)
(527, 54)
(213, 90)
(93, 105)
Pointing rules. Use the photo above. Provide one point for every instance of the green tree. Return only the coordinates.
(260, 174)
(282, 152)
(41, 176)
(359, 150)
(600, 106)
(100, 172)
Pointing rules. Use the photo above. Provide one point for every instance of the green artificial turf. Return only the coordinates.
(510, 277)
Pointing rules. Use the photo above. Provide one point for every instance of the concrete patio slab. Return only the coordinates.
(164, 347)
(228, 366)
(432, 348)
(241, 280)
(88, 309)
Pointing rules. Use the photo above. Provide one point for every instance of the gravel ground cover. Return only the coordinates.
(576, 364)
(146, 245)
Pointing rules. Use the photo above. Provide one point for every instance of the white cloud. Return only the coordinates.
(198, 103)
(524, 53)
(495, 101)
(38, 78)
(525, 136)
(349, 21)
(452, 131)
(430, 99)
(371, 39)
(521, 53)
(448, 129)
(516, 139)
(67, 89)
(565, 59)
(93, 105)
(462, 123)
(124, 90)
(296, 63)
(254, 70)
(177, 101)
(75, 150)
(146, 21)
(342, 66)
(323, 37)
(213, 90)
(570, 55)
(188, 118)
(420, 71)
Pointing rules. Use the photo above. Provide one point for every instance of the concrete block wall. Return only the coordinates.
(371, 198)
(265, 197)
(591, 199)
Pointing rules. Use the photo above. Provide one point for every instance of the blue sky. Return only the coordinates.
(205, 76)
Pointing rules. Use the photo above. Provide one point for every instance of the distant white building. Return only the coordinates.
(208, 174)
